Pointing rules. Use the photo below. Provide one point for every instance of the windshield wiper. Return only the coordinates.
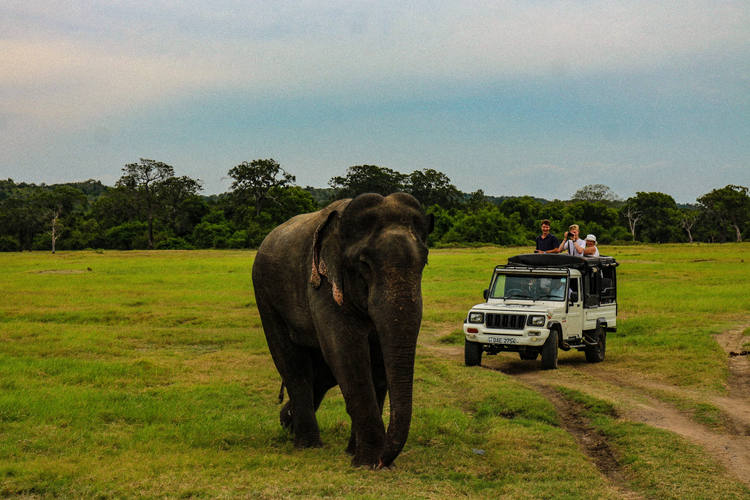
(517, 295)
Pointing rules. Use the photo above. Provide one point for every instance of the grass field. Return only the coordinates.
(147, 374)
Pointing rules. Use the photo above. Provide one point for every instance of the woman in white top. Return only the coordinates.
(571, 242)
(591, 250)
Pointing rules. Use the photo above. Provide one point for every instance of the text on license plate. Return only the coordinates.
(502, 340)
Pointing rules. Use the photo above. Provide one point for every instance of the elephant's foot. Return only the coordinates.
(368, 457)
(307, 441)
(370, 463)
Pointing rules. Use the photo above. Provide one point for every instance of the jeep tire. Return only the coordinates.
(472, 353)
(595, 354)
(549, 351)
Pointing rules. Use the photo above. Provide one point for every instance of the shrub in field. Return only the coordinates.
(9, 244)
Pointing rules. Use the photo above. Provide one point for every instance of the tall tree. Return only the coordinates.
(477, 201)
(631, 213)
(431, 187)
(368, 179)
(659, 214)
(526, 208)
(56, 202)
(731, 205)
(688, 219)
(178, 197)
(143, 181)
(22, 215)
(254, 182)
(596, 192)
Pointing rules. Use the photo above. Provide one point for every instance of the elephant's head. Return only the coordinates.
(373, 251)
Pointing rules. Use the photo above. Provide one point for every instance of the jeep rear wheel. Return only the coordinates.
(549, 351)
(472, 353)
(595, 354)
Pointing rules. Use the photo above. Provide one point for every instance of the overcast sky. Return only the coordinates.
(513, 97)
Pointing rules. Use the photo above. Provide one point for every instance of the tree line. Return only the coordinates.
(151, 207)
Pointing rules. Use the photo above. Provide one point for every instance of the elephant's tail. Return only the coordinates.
(281, 393)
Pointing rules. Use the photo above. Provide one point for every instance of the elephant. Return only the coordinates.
(339, 292)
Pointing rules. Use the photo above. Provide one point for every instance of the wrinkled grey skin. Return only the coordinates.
(339, 295)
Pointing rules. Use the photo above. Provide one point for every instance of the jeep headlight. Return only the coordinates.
(476, 317)
(535, 320)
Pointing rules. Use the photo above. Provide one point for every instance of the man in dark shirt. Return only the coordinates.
(546, 242)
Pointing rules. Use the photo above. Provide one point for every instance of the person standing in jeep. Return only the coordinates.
(546, 242)
(572, 244)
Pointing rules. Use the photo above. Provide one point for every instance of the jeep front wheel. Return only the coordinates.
(595, 354)
(549, 351)
(472, 353)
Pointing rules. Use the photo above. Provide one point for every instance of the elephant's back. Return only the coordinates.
(285, 245)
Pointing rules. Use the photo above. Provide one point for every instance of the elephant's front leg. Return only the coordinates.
(347, 352)
(379, 382)
(368, 433)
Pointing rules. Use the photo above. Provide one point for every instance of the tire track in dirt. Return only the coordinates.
(731, 450)
(592, 442)
(739, 365)
(735, 408)
(635, 402)
(632, 396)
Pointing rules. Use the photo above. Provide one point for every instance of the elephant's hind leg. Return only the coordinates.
(295, 365)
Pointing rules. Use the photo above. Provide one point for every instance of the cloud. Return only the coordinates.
(602, 68)
(72, 63)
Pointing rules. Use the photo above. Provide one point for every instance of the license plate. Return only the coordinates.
(502, 340)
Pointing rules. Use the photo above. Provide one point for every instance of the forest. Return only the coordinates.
(151, 207)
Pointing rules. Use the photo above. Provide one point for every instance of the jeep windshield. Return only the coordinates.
(528, 287)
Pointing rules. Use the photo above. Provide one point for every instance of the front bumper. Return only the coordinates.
(529, 336)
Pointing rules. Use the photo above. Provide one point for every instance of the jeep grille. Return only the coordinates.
(506, 321)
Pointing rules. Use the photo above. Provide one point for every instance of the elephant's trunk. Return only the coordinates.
(398, 326)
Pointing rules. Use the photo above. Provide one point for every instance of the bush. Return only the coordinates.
(9, 244)
(487, 225)
(43, 241)
(174, 243)
(238, 240)
(127, 236)
(211, 235)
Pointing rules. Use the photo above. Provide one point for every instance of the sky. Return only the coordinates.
(515, 98)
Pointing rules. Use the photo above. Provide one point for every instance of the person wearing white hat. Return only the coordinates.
(590, 250)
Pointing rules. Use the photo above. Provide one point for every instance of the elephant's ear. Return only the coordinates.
(327, 256)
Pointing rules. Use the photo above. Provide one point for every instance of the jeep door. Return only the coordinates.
(574, 323)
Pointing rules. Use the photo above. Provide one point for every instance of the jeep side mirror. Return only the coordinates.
(573, 297)
(486, 294)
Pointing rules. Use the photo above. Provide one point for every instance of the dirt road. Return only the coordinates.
(639, 399)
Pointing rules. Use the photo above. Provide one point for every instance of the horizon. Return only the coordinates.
(305, 187)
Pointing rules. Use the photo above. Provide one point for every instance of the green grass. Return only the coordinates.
(657, 463)
(147, 374)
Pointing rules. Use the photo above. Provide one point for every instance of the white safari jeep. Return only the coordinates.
(539, 303)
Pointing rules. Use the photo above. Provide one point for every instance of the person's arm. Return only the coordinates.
(579, 248)
(589, 250)
(562, 245)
